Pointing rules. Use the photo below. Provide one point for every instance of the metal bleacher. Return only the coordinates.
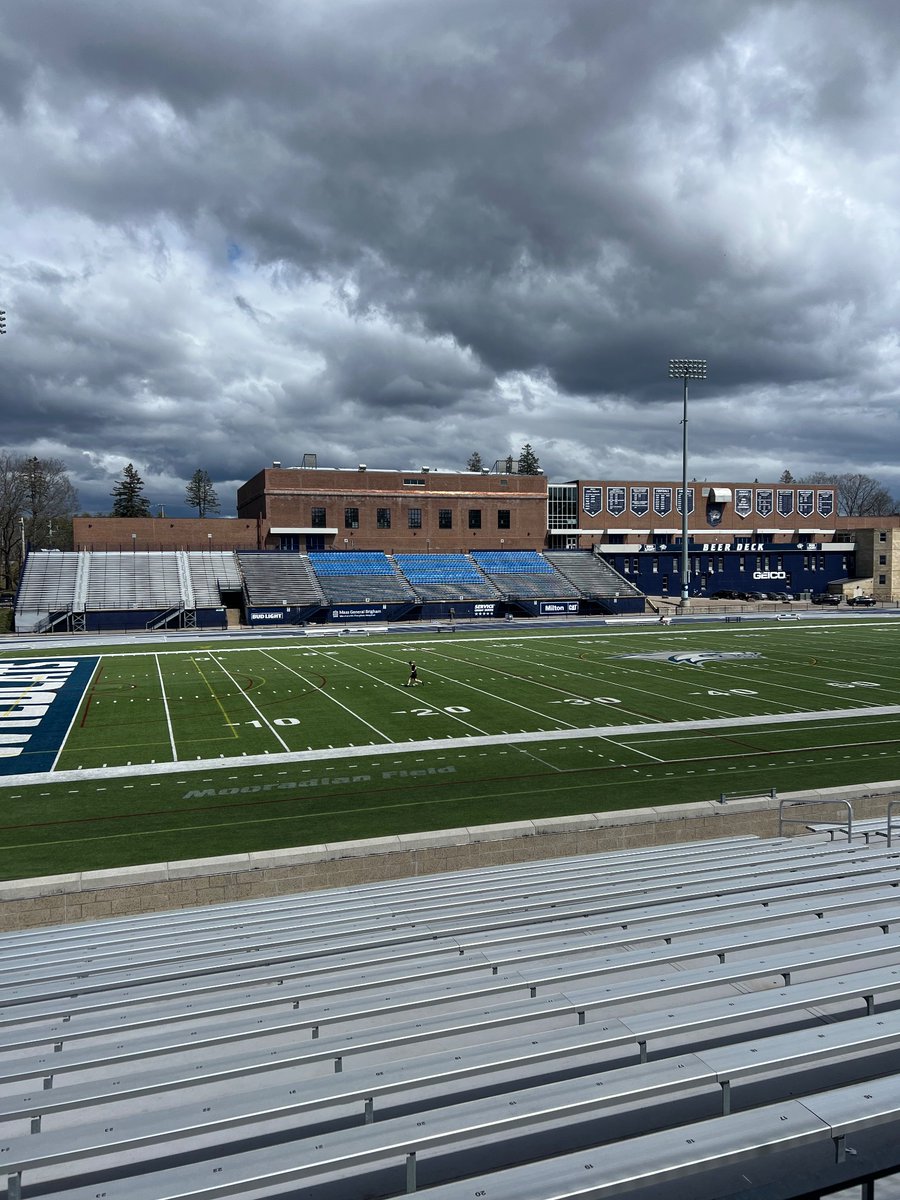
(358, 576)
(133, 579)
(445, 577)
(48, 583)
(212, 573)
(591, 575)
(703, 1020)
(524, 574)
(279, 578)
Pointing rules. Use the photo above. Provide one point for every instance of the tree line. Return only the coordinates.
(38, 501)
(856, 495)
(527, 463)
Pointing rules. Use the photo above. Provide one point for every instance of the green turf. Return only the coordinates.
(289, 700)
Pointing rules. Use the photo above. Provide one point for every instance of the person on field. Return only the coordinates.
(413, 680)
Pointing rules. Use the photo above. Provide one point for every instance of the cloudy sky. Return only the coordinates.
(398, 231)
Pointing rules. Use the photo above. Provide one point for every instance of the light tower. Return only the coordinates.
(685, 369)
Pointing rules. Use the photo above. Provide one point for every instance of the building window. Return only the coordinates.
(562, 506)
(414, 520)
(445, 518)
(318, 518)
(474, 518)
(882, 535)
(351, 518)
(503, 518)
(882, 560)
(413, 482)
(882, 580)
(383, 518)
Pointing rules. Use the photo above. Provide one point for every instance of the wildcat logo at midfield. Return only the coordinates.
(693, 658)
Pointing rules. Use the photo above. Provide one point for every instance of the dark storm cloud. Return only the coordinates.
(396, 231)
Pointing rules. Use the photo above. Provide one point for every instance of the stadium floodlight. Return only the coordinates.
(685, 369)
(2, 320)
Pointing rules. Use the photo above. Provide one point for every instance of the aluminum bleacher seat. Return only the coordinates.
(280, 579)
(591, 575)
(619, 1022)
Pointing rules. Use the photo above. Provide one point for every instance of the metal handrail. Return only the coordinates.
(783, 820)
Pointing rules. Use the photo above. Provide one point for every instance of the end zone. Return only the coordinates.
(39, 698)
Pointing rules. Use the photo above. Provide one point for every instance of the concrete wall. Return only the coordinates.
(158, 887)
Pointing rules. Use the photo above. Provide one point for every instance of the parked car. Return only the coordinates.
(753, 596)
(726, 594)
(861, 601)
(783, 596)
(826, 598)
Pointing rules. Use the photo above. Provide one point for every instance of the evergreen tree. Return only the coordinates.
(529, 463)
(128, 495)
(201, 494)
(509, 464)
(474, 463)
(786, 477)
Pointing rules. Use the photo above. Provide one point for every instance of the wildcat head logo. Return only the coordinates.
(694, 658)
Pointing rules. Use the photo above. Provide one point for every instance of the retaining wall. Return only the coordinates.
(157, 887)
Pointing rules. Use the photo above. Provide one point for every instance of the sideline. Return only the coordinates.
(608, 732)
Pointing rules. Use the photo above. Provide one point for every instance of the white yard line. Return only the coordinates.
(399, 688)
(162, 687)
(605, 732)
(327, 695)
(532, 712)
(261, 716)
(62, 744)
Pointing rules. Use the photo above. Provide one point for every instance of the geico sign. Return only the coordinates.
(770, 575)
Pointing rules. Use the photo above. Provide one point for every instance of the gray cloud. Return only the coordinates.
(395, 232)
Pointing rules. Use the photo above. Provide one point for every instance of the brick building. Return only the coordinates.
(322, 508)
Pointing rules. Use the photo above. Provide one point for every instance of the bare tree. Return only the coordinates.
(50, 502)
(12, 510)
(857, 495)
(37, 501)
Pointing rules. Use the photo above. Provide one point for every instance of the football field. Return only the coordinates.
(127, 754)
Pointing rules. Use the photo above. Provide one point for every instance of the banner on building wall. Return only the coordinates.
(662, 501)
(592, 501)
(615, 501)
(640, 501)
(825, 503)
(805, 505)
(785, 502)
(764, 502)
(743, 502)
(690, 500)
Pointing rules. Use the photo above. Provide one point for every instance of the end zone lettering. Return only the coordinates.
(28, 691)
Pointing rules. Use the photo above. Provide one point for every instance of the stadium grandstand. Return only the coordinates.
(106, 590)
(319, 544)
(698, 1021)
